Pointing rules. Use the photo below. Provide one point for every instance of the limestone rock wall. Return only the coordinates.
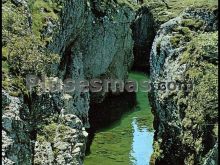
(185, 52)
(17, 145)
(97, 39)
(42, 131)
(100, 32)
(94, 40)
(144, 31)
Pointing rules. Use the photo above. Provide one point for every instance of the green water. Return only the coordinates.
(127, 141)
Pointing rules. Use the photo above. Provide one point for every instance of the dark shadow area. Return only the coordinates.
(144, 31)
(102, 115)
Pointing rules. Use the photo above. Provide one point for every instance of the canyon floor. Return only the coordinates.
(129, 140)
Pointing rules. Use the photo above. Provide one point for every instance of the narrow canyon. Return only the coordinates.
(49, 45)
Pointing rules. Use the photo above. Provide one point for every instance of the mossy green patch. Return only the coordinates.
(193, 24)
(41, 11)
(201, 104)
(158, 153)
(23, 53)
(5, 67)
(182, 35)
(53, 130)
(185, 31)
(202, 47)
(165, 10)
(129, 3)
(175, 40)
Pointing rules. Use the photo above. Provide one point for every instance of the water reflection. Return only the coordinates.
(142, 144)
(127, 141)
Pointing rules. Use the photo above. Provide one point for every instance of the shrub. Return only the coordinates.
(23, 53)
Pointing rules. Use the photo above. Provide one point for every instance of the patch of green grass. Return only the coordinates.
(129, 3)
(163, 12)
(42, 10)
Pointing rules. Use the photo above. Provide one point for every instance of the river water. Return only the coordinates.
(127, 141)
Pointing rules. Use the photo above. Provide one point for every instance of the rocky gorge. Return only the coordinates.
(100, 39)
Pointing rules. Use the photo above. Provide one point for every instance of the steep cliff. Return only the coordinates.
(184, 62)
(144, 31)
(93, 40)
(100, 31)
(86, 39)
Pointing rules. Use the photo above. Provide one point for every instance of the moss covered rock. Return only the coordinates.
(185, 118)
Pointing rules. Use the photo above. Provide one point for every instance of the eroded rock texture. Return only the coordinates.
(97, 39)
(17, 146)
(185, 52)
(94, 40)
(144, 30)
(100, 32)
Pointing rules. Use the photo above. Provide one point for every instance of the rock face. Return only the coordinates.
(40, 133)
(97, 39)
(184, 97)
(212, 156)
(100, 32)
(94, 40)
(61, 142)
(16, 145)
(143, 35)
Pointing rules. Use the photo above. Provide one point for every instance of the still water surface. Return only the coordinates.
(127, 141)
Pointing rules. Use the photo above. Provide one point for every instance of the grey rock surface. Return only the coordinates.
(212, 156)
(186, 113)
(94, 40)
(101, 35)
(16, 143)
(62, 142)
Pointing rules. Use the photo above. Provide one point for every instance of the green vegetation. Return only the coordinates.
(201, 58)
(184, 33)
(157, 154)
(129, 3)
(27, 55)
(42, 11)
(50, 132)
(198, 106)
(203, 48)
(23, 53)
(175, 40)
(193, 24)
(163, 12)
